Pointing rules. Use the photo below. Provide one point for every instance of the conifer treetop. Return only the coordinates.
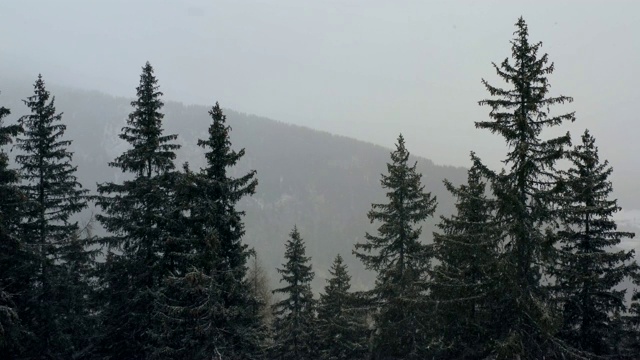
(46, 168)
(521, 112)
(294, 334)
(221, 156)
(408, 205)
(151, 151)
(340, 279)
(296, 271)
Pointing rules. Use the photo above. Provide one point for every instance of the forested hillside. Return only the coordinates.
(322, 182)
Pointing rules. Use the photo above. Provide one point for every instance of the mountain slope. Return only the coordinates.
(323, 183)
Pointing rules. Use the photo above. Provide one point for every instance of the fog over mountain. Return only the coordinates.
(367, 70)
(322, 183)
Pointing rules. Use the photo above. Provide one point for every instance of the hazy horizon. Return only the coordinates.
(364, 69)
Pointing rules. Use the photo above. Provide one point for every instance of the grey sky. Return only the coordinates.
(367, 69)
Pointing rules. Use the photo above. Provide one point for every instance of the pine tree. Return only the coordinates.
(53, 196)
(400, 260)
(220, 192)
(590, 271)
(342, 327)
(13, 258)
(523, 315)
(466, 251)
(137, 215)
(294, 324)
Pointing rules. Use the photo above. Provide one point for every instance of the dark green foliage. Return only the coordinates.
(467, 250)
(191, 301)
(138, 214)
(10, 327)
(342, 327)
(78, 286)
(589, 269)
(219, 193)
(188, 300)
(294, 325)
(53, 196)
(190, 313)
(151, 153)
(12, 253)
(631, 338)
(525, 192)
(400, 260)
(207, 306)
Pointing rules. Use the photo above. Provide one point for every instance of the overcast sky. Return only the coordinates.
(367, 69)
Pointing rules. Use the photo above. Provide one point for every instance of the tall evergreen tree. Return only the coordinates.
(212, 252)
(400, 260)
(525, 192)
(219, 193)
(342, 327)
(53, 196)
(136, 214)
(13, 257)
(590, 271)
(294, 324)
(466, 250)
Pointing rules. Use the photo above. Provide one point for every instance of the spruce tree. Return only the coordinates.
(525, 192)
(294, 324)
(136, 214)
(590, 271)
(400, 260)
(219, 194)
(53, 196)
(466, 251)
(342, 327)
(13, 257)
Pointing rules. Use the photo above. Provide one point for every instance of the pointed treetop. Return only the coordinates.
(523, 30)
(151, 152)
(340, 275)
(338, 260)
(400, 140)
(588, 140)
(41, 95)
(148, 83)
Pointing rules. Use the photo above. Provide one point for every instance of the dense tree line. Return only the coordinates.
(526, 268)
